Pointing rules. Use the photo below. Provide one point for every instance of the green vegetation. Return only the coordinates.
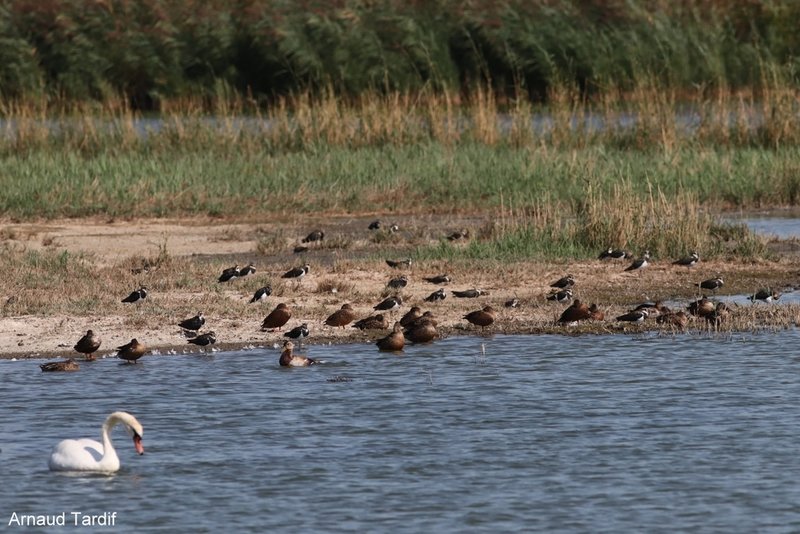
(149, 50)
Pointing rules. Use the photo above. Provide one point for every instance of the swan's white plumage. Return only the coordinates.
(90, 455)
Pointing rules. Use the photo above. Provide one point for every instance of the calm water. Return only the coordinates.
(543, 433)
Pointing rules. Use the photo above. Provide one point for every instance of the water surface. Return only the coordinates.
(510, 433)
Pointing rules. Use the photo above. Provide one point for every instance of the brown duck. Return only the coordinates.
(411, 315)
(394, 342)
(277, 317)
(288, 359)
(595, 313)
(578, 311)
(422, 331)
(427, 317)
(676, 319)
(701, 307)
(88, 345)
(373, 322)
(341, 317)
(66, 365)
(131, 351)
(482, 318)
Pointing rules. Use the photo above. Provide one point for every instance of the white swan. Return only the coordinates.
(89, 455)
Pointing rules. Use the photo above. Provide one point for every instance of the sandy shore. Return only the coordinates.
(348, 267)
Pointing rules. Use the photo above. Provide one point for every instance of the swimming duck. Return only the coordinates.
(261, 294)
(277, 317)
(88, 345)
(483, 317)
(66, 366)
(288, 359)
(132, 351)
(394, 342)
(341, 317)
(373, 322)
(136, 296)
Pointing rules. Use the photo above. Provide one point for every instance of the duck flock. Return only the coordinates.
(416, 325)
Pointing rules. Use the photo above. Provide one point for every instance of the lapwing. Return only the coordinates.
(298, 332)
(614, 254)
(394, 342)
(398, 283)
(132, 351)
(641, 263)
(399, 264)
(389, 304)
(193, 323)
(88, 345)
(458, 234)
(209, 338)
(248, 270)
(712, 283)
(261, 294)
(136, 296)
(316, 235)
(375, 225)
(440, 279)
(436, 296)
(564, 282)
(229, 274)
(512, 303)
(636, 316)
(765, 295)
(689, 260)
(297, 272)
(469, 293)
(565, 295)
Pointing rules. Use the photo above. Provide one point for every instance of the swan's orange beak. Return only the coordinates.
(137, 442)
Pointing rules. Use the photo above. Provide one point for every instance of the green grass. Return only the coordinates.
(428, 177)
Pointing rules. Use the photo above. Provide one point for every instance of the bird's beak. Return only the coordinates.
(137, 442)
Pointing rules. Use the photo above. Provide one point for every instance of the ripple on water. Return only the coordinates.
(594, 433)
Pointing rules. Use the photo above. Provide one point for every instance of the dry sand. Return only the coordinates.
(351, 258)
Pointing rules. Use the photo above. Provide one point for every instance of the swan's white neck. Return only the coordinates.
(110, 458)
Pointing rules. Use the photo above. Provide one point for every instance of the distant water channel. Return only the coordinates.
(619, 433)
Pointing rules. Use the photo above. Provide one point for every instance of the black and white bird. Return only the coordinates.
(375, 225)
(565, 295)
(564, 282)
(712, 283)
(458, 234)
(689, 260)
(136, 296)
(614, 254)
(399, 264)
(316, 235)
(512, 303)
(437, 295)
(250, 269)
(389, 304)
(261, 294)
(469, 293)
(193, 323)
(636, 316)
(297, 272)
(209, 338)
(439, 279)
(231, 273)
(765, 295)
(398, 283)
(641, 263)
(298, 332)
